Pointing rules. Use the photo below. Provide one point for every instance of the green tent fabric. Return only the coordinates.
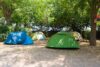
(62, 40)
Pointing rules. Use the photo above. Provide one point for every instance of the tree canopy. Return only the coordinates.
(75, 14)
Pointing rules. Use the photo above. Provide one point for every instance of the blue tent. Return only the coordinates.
(18, 38)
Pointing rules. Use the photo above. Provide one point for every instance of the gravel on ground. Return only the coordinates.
(39, 56)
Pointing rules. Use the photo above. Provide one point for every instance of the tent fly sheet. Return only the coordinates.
(62, 40)
(18, 38)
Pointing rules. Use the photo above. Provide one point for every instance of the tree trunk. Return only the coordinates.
(93, 24)
(7, 14)
(93, 33)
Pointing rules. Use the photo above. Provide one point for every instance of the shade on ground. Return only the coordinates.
(62, 40)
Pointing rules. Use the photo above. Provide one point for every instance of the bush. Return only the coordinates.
(3, 29)
(86, 35)
(3, 32)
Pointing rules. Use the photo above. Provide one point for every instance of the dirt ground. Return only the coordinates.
(39, 56)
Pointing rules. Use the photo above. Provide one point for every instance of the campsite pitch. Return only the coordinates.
(39, 56)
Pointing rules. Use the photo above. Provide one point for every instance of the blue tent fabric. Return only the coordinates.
(18, 38)
(28, 41)
(8, 40)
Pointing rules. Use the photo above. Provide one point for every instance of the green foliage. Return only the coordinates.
(86, 34)
(72, 13)
(69, 13)
(23, 12)
(1, 14)
(98, 23)
(4, 29)
(42, 10)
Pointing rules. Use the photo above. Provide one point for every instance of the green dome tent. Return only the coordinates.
(62, 40)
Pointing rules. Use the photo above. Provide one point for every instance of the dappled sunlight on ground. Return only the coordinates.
(39, 56)
(86, 43)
